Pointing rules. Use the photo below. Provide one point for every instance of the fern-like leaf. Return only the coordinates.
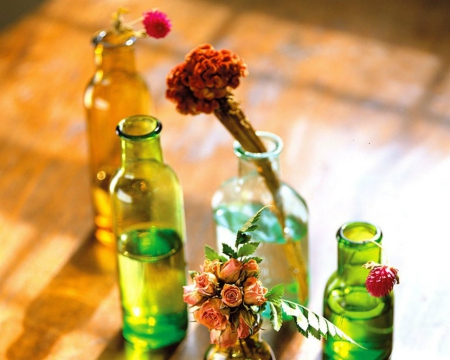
(310, 323)
(250, 225)
(296, 312)
(276, 318)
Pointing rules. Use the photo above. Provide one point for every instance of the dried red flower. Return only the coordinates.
(156, 23)
(205, 76)
(381, 279)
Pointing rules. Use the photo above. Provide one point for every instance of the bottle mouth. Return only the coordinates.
(359, 232)
(111, 40)
(273, 143)
(138, 127)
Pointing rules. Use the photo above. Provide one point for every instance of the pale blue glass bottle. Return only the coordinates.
(285, 251)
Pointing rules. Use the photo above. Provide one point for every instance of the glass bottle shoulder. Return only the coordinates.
(120, 79)
(152, 171)
(238, 189)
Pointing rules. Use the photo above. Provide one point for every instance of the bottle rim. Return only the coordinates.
(100, 38)
(344, 235)
(273, 143)
(138, 127)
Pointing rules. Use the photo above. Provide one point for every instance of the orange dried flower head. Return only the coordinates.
(205, 76)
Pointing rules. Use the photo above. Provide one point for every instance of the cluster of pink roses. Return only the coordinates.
(224, 293)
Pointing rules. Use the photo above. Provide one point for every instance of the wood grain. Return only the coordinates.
(358, 90)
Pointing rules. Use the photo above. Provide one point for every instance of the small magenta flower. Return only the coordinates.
(156, 23)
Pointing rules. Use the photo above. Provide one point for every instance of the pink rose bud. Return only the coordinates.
(230, 271)
(225, 338)
(190, 295)
(254, 292)
(244, 329)
(211, 315)
(212, 267)
(206, 283)
(231, 295)
(251, 268)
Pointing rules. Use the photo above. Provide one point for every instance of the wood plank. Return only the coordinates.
(359, 92)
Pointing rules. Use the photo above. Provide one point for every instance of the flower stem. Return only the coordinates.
(243, 348)
(382, 249)
(233, 118)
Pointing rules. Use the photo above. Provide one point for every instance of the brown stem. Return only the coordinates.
(235, 121)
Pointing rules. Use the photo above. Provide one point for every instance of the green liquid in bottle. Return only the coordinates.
(151, 277)
(366, 319)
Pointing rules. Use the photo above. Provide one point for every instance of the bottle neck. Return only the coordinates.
(357, 244)
(140, 140)
(114, 52)
(133, 151)
(249, 163)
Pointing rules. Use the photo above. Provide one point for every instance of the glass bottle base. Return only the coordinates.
(168, 330)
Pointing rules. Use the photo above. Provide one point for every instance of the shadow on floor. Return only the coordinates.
(12, 11)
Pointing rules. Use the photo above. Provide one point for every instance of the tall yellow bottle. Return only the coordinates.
(115, 92)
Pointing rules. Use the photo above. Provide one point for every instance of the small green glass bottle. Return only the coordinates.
(347, 304)
(149, 225)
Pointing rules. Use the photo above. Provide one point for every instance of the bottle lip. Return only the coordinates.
(344, 233)
(273, 143)
(101, 38)
(138, 127)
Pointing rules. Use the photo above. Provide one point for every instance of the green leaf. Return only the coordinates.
(339, 334)
(323, 328)
(247, 249)
(276, 318)
(211, 254)
(228, 250)
(313, 320)
(291, 309)
(242, 238)
(250, 225)
(308, 322)
(275, 295)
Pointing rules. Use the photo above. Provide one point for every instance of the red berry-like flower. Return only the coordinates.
(203, 78)
(381, 279)
(156, 24)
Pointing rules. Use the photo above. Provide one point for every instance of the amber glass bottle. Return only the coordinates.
(149, 224)
(366, 319)
(115, 92)
(253, 347)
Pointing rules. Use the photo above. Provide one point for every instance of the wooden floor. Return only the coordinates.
(359, 91)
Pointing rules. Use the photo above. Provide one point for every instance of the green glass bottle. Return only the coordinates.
(347, 304)
(149, 225)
